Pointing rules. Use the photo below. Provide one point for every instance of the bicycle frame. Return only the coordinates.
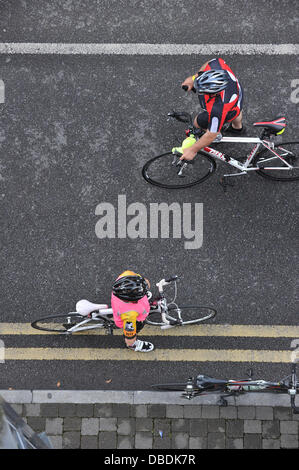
(106, 314)
(163, 305)
(244, 167)
(204, 384)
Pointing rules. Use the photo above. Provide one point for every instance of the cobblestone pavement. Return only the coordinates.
(162, 426)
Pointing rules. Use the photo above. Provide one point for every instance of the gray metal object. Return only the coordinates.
(16, 434)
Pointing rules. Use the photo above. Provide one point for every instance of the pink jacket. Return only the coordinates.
(142, 307)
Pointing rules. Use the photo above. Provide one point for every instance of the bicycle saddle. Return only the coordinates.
(84, 307)
(276, 126)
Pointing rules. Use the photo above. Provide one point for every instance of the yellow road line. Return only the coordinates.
(261, 331)
(173, 355)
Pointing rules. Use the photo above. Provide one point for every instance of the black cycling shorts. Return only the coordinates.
(203, 118)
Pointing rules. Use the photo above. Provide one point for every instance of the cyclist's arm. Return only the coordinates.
(190, 80)
(204, 141)
(202, 68)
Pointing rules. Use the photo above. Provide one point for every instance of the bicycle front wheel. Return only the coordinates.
(58, 323)
(190, 315)
(162, 171)
(276, 169)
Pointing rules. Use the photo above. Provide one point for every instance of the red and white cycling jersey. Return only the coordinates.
(226, 105)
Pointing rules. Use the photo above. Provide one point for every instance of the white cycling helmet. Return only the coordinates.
(211, 81)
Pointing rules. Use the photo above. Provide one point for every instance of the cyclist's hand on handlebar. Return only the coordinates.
(188, 83)
(188, 154)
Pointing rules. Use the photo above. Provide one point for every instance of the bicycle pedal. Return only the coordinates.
(183, 166)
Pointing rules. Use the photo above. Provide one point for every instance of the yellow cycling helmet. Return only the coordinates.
(128, 273)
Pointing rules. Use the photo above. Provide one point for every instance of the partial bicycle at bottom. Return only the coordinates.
(269, 157)
(89, 316)
(205, 385)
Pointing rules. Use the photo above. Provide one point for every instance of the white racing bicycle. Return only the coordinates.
(89, 315)
(269, 157)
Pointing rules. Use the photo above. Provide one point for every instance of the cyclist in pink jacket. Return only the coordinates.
(130, 305)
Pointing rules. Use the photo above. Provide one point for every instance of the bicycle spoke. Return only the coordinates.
(284, 167)
(189, 315)
(58, 323)
(154, 318)
(192, 315)
(163, 171)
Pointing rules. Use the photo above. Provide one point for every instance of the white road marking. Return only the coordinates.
(147, 49)
(2, 91)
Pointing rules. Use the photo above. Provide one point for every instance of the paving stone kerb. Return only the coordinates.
(143, 420)
(85, 397)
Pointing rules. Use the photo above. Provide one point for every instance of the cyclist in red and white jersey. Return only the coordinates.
(221, 97)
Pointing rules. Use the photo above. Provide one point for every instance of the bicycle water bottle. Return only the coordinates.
(188, 142)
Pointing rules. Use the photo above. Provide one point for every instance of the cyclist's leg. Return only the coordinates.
(139, 325)
(135, 344)
(237, 122)
(201, 121)
(130, 341)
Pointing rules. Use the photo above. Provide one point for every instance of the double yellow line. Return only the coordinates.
(257, 331)
(169, 355)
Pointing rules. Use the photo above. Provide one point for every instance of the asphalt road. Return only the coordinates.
(154, 21)
(75, 132)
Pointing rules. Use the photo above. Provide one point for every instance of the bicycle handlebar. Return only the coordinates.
(185, 88)
(165, 282)
(172, 279)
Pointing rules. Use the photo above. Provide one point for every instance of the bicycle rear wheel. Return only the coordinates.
(289, 152)
(172, 387)
(58, 323)
(163, 172)
(190, 315)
